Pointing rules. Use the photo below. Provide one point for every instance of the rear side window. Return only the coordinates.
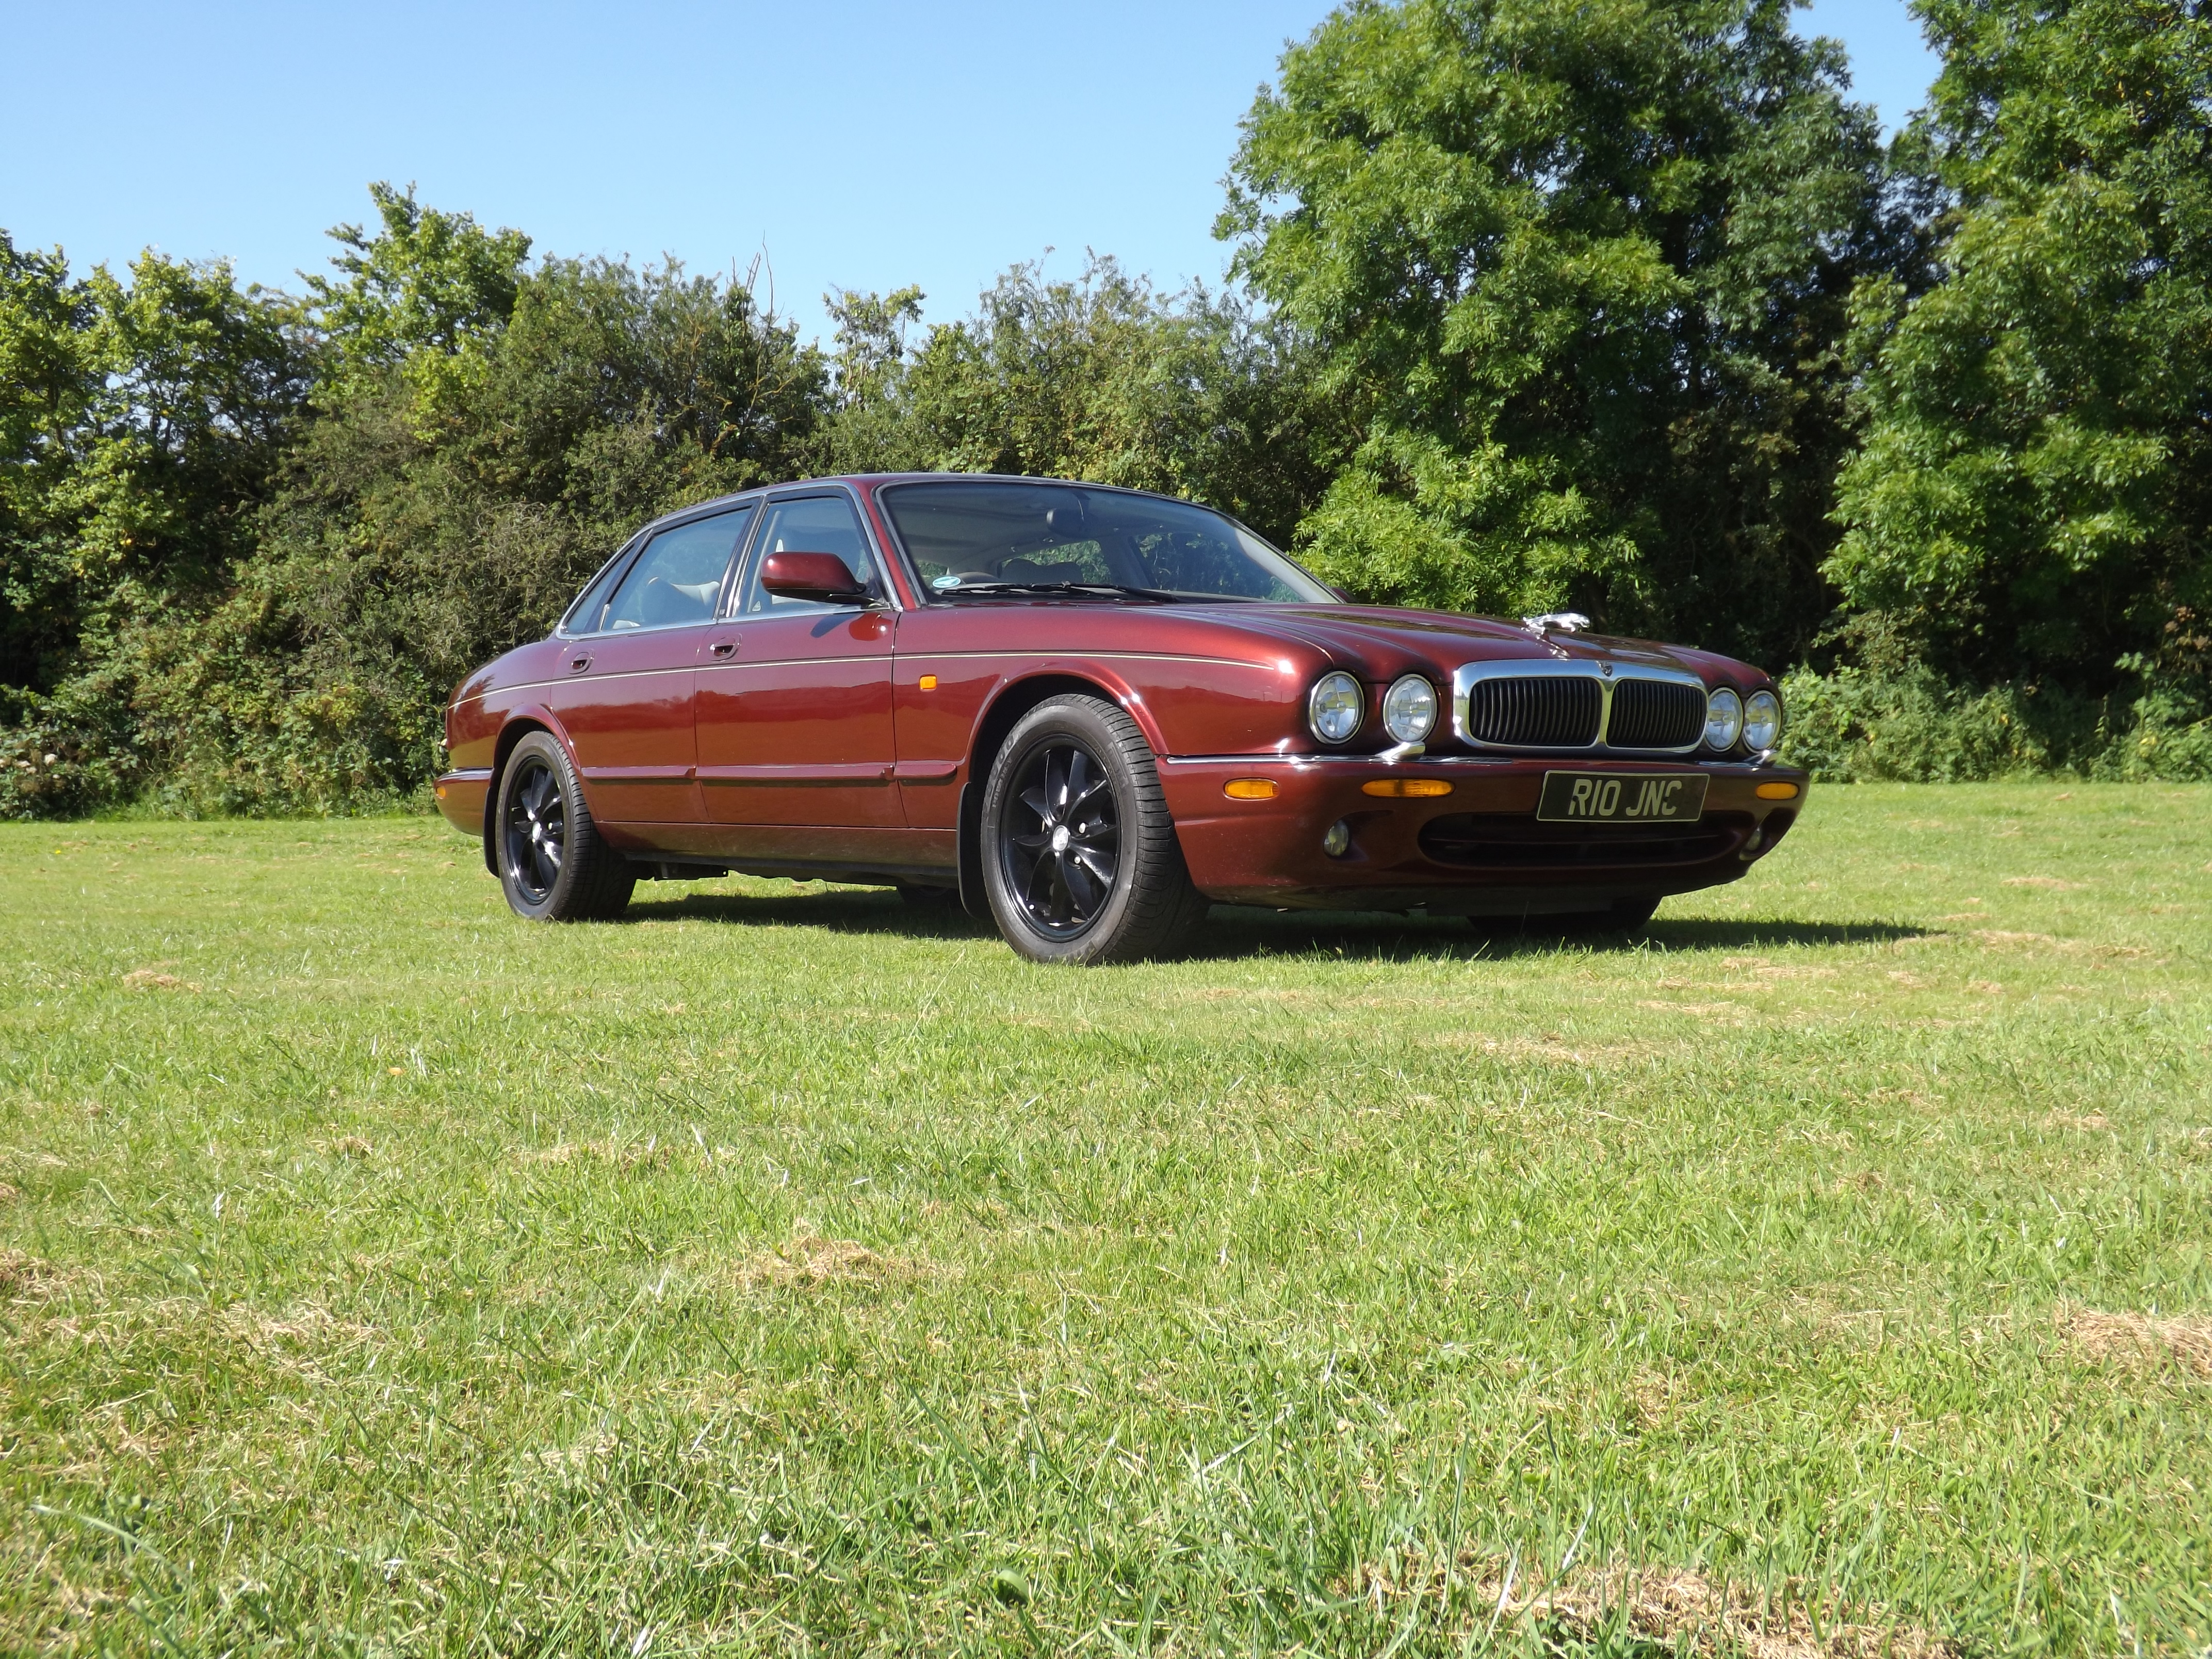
(677, 578)
(811, 523)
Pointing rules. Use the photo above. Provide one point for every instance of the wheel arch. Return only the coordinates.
(510, 734)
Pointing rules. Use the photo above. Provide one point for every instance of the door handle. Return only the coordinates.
(723, 647)
(577, 664)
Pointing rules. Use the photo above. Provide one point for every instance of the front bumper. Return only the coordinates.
(1478, 850)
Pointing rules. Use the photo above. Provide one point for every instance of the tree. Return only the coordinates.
(868, 430)
(419, 296)
(1098, 378)
(1580, 274)
(251, 545)
(419, 532)
(48, 382)
(2034, 493)
(139, 425)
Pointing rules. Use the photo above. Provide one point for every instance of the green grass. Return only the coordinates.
(785, 1269)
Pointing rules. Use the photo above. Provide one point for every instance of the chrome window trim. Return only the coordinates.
(1466, 676)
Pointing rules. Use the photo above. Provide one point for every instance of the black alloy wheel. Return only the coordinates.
(537, 829)
(1063, 840)
(1080, 859)
(553, 864)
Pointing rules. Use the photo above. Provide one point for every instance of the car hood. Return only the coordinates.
(1384, 640)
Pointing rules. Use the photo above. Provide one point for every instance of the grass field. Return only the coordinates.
(784, 1269)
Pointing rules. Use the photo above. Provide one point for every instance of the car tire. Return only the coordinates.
(553, 864)
(1080, 859)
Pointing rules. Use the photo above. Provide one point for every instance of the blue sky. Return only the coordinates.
(861, 145)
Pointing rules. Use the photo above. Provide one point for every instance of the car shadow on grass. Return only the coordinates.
(841, 909)
(1234, 931)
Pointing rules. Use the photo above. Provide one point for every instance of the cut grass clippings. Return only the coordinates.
(785, 1269)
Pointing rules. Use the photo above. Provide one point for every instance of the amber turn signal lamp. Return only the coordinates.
(1249, 789)
(929, 682)
(1777, 791)
(441, 792)
(1400, 788)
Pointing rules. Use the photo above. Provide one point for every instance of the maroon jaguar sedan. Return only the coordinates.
(1088, 712)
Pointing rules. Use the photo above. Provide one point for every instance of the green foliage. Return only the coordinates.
(2034, 493)
(399, 555)
(143, 423)
(1907, 723)
(1855, 726)
(1098, 378)
(1581, 274)
(253, 547)
(421, 295)
(49, 383)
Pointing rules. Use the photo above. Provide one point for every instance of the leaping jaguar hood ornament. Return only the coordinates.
(1558, 622)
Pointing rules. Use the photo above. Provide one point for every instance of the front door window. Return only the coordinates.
(811, 523)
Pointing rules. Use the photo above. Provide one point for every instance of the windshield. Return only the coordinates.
(975, 537)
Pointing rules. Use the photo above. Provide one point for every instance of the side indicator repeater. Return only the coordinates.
(1775, 792)
(1405, 788)
(1249, 789)
(929, 682)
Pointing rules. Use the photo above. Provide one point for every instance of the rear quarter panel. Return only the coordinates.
(492, 699)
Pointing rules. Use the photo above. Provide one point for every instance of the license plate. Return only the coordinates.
(1622, 796)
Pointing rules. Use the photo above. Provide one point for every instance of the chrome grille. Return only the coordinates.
(1578, 707)
(1526, 711)
(1655, 714)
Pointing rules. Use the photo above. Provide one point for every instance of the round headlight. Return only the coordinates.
(1336, 707)
(1762, 719)
(1723, 719)
(1409, 708)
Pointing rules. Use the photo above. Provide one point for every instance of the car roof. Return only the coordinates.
(702, 509)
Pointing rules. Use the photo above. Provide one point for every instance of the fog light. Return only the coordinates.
(1404, 788)
(1338, 842)
(1249, 789)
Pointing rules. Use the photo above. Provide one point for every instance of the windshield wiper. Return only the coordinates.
(1160, 595)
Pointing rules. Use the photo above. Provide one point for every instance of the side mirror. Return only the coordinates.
(822, 577)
